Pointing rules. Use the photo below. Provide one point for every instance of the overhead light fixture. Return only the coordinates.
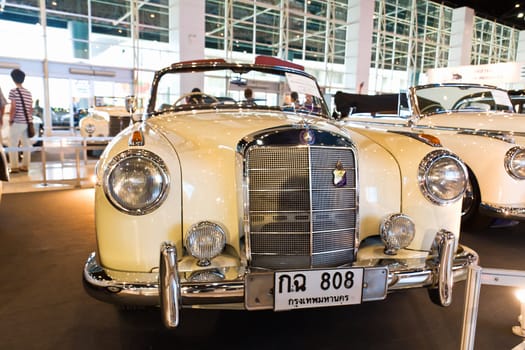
(81, 71)
(9, 65)
(102, 73)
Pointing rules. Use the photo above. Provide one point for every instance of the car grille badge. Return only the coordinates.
(307, 137)
(339, 175)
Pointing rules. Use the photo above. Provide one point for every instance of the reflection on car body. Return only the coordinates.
(518, 100)
(251, 206)
(4, 170)
(475, 121)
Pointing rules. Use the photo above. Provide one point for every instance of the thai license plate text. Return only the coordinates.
(317, 288)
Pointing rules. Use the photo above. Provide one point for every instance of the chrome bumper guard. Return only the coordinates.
(254, 291)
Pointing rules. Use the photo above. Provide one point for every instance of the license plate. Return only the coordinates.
(317, 288)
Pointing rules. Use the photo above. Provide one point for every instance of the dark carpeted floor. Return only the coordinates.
(47, 236)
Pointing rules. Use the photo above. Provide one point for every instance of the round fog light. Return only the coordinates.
(397, 232)
(205, 241)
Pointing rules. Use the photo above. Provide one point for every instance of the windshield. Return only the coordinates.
(238, 86)
(475, 98)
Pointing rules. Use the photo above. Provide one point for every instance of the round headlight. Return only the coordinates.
(397, 232)
(442, 177)
(136, 181)
(205, 241)
(515, 162)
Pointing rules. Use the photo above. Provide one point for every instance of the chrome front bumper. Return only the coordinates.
(253, 290)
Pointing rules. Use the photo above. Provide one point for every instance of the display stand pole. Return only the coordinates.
(77, 165)
(475, 278)
(43, 159)
(470, 313)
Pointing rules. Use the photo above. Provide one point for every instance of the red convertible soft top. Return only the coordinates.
(274, 61)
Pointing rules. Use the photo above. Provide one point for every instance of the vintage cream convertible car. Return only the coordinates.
(476, 122)
(228, 203)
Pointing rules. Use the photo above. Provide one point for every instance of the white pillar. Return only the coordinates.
(461, 37)
(359, 44)
(187, 33)
(520, 52)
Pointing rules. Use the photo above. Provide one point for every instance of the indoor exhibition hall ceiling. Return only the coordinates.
(507, 12)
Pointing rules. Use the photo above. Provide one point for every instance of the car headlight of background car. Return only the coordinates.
(442, 177)
(136, 181)
(515, 162)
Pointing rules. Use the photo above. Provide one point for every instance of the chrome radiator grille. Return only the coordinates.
(297, 217)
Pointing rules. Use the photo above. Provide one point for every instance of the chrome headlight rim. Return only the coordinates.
(426, 166)
(508, 160)
(138, 154)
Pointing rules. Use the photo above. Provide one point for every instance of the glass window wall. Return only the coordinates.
(409, 37)
(90, 36)
(493, 42)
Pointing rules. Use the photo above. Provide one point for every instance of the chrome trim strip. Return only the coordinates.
(511, 213)
(502, 135)
(169, 288)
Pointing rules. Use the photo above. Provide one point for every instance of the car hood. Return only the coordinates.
(208, 130)
(452, 121)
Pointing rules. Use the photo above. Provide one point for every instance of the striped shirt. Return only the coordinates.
(20, 117)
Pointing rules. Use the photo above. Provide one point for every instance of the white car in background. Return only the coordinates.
(477, 122)
(94, 128)
(95, 124)
(102, 123)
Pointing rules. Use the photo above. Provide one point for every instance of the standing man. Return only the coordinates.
(20, 114)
